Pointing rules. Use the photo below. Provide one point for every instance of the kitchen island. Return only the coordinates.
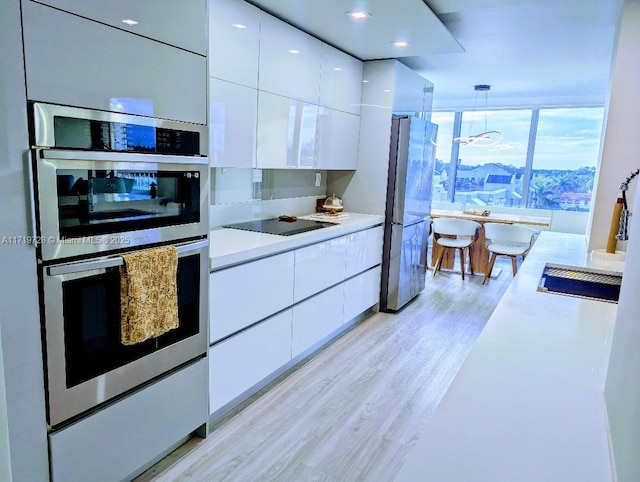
(528, 403)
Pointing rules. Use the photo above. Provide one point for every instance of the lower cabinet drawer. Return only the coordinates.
(315, 318)
(251, 292)
(241, 361)
(361, 293)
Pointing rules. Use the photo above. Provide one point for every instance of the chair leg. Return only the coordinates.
(487, 273)
(462, 262)
(514, 264)
(436, 267)
(470, 260)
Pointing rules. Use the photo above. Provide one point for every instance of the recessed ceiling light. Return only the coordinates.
(400, 44)
(129, 21)
(387, 90)
(337, 68)
(359, 14)
(294, 51)
(365, 81)
(239, 25)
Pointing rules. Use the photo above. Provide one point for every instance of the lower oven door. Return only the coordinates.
(87, 364)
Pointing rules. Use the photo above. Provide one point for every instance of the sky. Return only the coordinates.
(567, 138)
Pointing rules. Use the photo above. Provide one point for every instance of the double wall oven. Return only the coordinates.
(107, 184)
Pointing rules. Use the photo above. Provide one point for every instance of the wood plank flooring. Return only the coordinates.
(355, 409)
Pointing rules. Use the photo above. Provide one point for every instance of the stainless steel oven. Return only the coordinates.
(105, 181)
(106, 184)
(86, 362)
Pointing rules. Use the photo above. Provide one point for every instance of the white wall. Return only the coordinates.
(19, 315)
(5, 451)
(621, 143)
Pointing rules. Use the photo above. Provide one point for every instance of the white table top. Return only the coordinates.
(233, 246)
(527, 404)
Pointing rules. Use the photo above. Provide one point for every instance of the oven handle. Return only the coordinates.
(112, 262)
(108, 156)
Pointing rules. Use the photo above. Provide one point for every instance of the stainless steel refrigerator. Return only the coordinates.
(407, 223)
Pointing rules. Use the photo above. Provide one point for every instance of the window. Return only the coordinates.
(555, 171)
(565, 158)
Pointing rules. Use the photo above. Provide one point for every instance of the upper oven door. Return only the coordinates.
(92, 202)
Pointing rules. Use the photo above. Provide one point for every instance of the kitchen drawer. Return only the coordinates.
(245, 294)
(361, 293)
(319, 266)
(73, 61)
(364, 250)
(315, 318)
(238, 363)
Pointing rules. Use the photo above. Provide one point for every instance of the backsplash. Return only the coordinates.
(239, 195)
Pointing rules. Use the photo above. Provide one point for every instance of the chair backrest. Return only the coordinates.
(508, 234)
(455, 227)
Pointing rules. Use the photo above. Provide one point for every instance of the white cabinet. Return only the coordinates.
(286, 134)
(340, 80)
(244, 294)
(184, 27)
(289, 60)
(319, 266)
(74, 61)
(234, 41)
(232, 124)
(337, 140)
(315, 318)
(364, 250)
(238, 363)
(361, 293)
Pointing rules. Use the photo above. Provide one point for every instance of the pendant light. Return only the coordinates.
(486, 138)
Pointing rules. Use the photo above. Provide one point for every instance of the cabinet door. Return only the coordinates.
(315, 318)
(286, 132)
(234, 41)
(319, 266)
(289, 60)
(184, 27)
(340, 80)
(74, 61)
(361, 293)
(232, 124)
(238, 363)
(337, 141)
(250, 292)
(364, 250)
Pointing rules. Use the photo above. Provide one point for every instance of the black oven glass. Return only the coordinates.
(94, 202)
(91, 310)
(98, 135)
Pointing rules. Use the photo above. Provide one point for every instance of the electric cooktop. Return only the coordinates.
(282, 228)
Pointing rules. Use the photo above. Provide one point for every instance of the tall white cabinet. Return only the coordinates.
(301, 102)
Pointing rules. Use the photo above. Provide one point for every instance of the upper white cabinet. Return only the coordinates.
(337, 139)
(289, 60)
(74, 61)
(232, 124)
(340, 80)
(286, 132)
(234, 41)
(182, 25)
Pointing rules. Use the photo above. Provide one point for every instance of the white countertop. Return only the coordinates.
(234, 246)
(527, 404)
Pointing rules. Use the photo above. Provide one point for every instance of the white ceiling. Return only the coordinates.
(531, 52)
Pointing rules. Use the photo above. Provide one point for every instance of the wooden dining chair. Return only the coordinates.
(450, 233)
(507, 240)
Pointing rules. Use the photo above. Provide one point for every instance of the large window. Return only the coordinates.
(541, 158)
(565, 157)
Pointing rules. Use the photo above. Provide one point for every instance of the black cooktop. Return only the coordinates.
(282, 228)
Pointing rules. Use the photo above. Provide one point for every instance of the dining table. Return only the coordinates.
(479, 257)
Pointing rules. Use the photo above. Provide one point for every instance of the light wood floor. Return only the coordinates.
(353, 411)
